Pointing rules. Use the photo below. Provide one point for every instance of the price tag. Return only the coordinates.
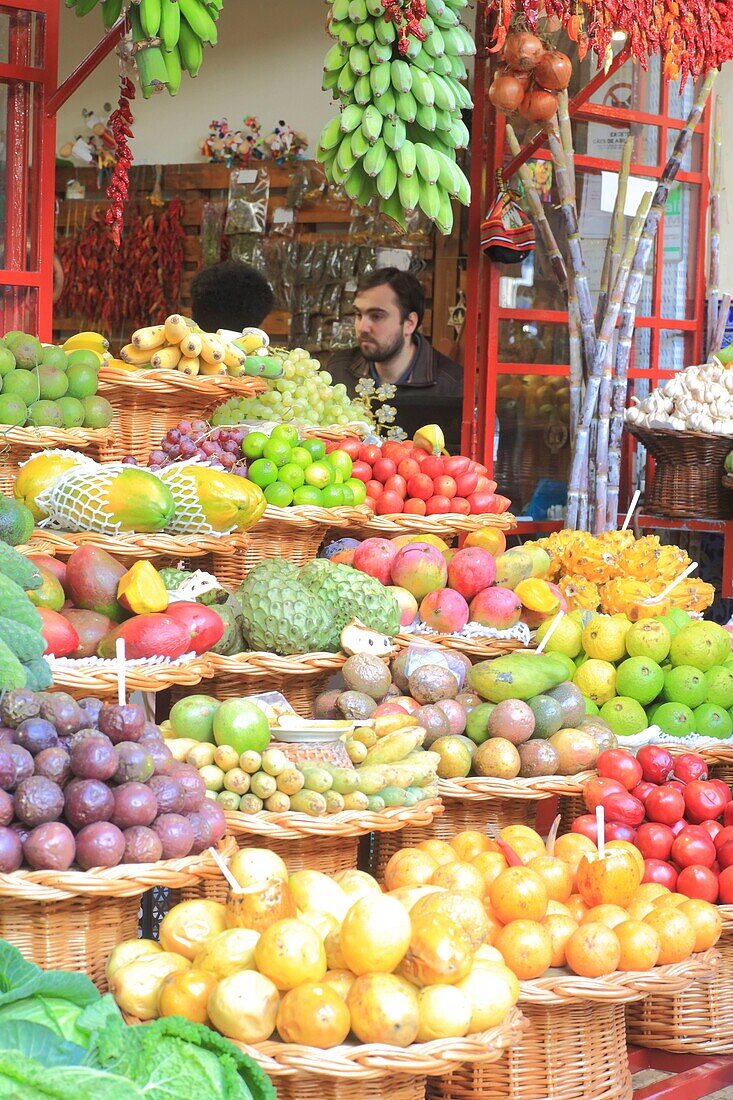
(394, 257)
(247, 175)
(284, 215)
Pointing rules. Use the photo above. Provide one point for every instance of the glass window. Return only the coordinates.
(18, 308)
(530, 341)
(676, 349)
(20, 36)
(531, 453)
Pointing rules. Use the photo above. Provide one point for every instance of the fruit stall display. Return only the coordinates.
(308, 791)
(95, 811)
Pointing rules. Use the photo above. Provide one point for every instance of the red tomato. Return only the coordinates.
(703, 800)
(204, 626)
(725, 834)
(433, 466)
(362, 470)
(466, 484)
(725, 886)
(420, 486)
(725, 854)
(415, 507)
(370, 453)
(690, 766)
(665, 804)
(396, 484)
(374, 489)
(656, 870)
(352, 446)
(396, 451)
(698, 882)
(596, 789)
(383, 468)
(438, 506)
(656, 763)
(620, 765)
(457, 465)
(444, 486)
(728, 814)
(482, 502)
(408, 468)
(654, 840)
(616, 830)
(460, 506)
(389, 503)
(622, 806)
(678, 826)
(723, 788)
(676, 785)
(712, 828)
(501, 504)
(586, 825)
(689, 848)
(643, 790)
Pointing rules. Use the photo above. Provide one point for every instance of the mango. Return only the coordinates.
(148, 636)
(50, 594)
(516, 676)
(92, 579)
(512, 567)
(141, 590)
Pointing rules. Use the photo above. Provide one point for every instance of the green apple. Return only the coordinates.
(242, 725)
(194, 717)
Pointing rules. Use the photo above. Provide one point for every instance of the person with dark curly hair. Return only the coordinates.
(230, 295)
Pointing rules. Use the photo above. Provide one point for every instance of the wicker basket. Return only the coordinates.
(149, 402)
(333, 433)
(328, 844)
(296, 533)
(72, 920)
(575, 1046)
(482, 649)
(160, 548)
(80, 679)
(687, 479)
(18, 444)
(569, 806)
(698, 1020)
(300, 678)
(444, 526)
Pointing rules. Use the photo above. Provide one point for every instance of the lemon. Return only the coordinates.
(596, 680)
(625, 716)
(567, 638)
(604, 638)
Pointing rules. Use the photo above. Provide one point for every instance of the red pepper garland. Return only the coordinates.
(692, 36)
(406, 17)
(121, 125)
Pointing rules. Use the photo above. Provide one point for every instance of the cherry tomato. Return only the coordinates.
(690, 766)
(460, 506)
(643, 790)
(712, 828)
(725, 886)
(690, 848)
(396, 484)
(703, 800)
(654, 840)
(433, 466)
(665, 804)
(620, 765)
(389, 503)
(656, 870)
(623, 807)
(725, 834)
(698, 882)
(383, 469)
(597, 788)
(656, 763)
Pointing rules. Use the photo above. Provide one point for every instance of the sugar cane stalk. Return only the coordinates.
(714, 275)
(612, 256)
(574, 345)
(538, 213)
(581, 453)
(633, 292)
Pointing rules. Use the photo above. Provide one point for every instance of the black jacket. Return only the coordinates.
(433, 394)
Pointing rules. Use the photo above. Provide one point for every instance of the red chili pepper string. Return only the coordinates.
(406, 16)
(120, 122)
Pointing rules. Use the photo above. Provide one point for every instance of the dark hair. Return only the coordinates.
(405, 287)
(230, 295)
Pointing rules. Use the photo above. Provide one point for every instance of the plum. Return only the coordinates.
(16, 706)
(87, 801)
(54, 764)
(63, 712)
(7, 770)
(201, 832)
(93, 757)
(135, 804)
(36, 734)
(38, 800)
(169, 794)
(161, 755)
(142, 845)
(11, 851)
(122, 723)
(176, 835)
(7, 809)
(23, 763)
(193, 786)
(91, 707)
(134, 762)
(99, 845)
(50, 847)
(214, 814)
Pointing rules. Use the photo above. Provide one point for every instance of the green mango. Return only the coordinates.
(516, 676)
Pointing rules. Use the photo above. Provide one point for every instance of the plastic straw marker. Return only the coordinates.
(225, 871)
(632, 509)
(121, 667)
(553, 627)
(672, 585)
(601, 827)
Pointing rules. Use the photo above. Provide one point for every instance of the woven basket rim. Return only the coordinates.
(297, 826)
(670, 433)
(76, 438)
(448, 524)
(710, 753)
(559, 987)
(258, 663)
(137, 678)
(474, 647)
(479, 788)
(153, 382)
(142, 545)
(124, 881)
(310, 515)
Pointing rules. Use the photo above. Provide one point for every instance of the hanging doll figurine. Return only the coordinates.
(507, 234)
(285, 144)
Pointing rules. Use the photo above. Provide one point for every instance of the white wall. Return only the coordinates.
(268, 63)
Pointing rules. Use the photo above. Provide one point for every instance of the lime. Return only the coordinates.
(45, 414)
(307, 494)
(625, 716)
(604, 638)
(567, 637)
(712, 721)
(82, 379)
(83, 358)
(340, 461)
(23, 384)
(590, 706)
(596, 680)
(16, 521)
(639, 678)
(358, 488)
(677, 615)
(277, 451)
(700, 644)
(685, 684)
(52, 382)
(253, 443)
(319, 474)
(648, 638)
(338, 477)
(719, 682)
(7, 361)
(72, 411)
(669, 624)
(98, 412)
(347, 496)
(332, 496)
(286, 433)
(26, 349)
(674, 718)
(477, 724)
(262, 472)
(278, 494)
(316, 448)
(301, 457)
(52, 356)
(13, 410)
(291, 474)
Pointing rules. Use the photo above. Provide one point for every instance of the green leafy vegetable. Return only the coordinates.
(25, 1079)
(20, 979)
(39, 1044)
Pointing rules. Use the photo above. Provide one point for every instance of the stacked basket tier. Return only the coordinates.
(687, 480)
(17, 445)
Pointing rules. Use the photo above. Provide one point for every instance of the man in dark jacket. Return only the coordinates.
(389, 307)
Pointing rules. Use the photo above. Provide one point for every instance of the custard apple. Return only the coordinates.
(349, 594)
(280, 615)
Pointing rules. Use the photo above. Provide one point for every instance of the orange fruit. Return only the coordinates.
(459, 878)
(290, 952)
(639, 945)
(639, 909)
(490, 865)
(610, 915)
(488, 538)
(560, 928)
(439, 952)
(187, 994)
(676, 933)
(384, 1009)
(570, 847)
(706, 922)
(465, 910)
(671, 898)
(518, 894)
(439, 850)
(524, 841)
(409, 867)
(611, 880)
(471, 843)
(313, 1014)
(577, 907)
(593, 950)
(556, 875)
(558, 908)
(648, 891)
(527, 948)
(374, 935)
(627, 846)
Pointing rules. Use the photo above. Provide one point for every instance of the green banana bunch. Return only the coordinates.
(170, 35)
(399, 128)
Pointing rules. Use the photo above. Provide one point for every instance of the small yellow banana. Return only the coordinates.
(208, 369)
(148, 339)
(166, 358)
(233, 356)
(212, 348)
(130, 354)
(192, 345)
(188, 365)
(87, 341)
(176, 328)
(254, 338)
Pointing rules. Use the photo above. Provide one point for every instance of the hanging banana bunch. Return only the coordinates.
(398, 78)
(168, 36)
